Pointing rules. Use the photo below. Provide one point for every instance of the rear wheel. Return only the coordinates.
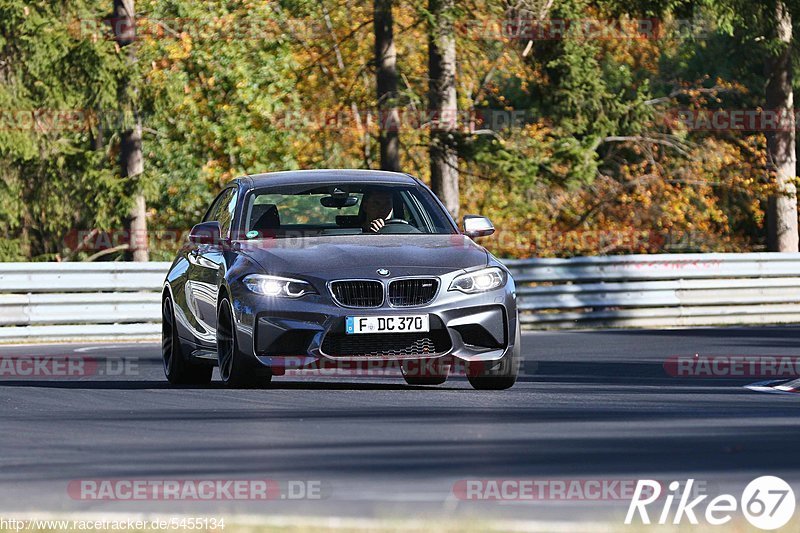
(234, 369)
(502, 375)
(424, 372)
(178, 370)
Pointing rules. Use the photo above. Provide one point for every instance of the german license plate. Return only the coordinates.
(387, 324)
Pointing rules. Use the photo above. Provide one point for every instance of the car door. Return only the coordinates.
(207, 270)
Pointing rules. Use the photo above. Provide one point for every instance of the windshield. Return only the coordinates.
(345, 209)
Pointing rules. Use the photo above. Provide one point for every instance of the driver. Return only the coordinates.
(377, 209)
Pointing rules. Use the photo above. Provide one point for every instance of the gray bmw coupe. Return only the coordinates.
(333, 268)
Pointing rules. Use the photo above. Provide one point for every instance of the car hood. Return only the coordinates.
(362, 255)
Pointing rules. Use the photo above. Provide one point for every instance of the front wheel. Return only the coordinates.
(499, 377)
(178, 370)
(233, 367)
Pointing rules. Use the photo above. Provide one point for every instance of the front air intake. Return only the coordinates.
(387, 345)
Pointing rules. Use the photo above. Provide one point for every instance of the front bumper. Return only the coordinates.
(301, 333)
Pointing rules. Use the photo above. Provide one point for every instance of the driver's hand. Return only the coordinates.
(376, 225)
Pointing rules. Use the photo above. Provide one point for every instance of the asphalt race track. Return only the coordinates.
(591, 405)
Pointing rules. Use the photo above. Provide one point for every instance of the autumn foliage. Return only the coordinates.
(572, 142)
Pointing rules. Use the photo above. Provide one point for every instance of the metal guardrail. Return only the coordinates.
(659, 290)
(50, 301)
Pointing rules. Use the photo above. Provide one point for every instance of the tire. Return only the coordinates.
(177, 369)
(234, 370)
(501, 376)
(424, 372)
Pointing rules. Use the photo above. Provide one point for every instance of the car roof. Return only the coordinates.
(295, 177)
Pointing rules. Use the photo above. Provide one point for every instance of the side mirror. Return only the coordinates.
(205, 233)
(477, 226)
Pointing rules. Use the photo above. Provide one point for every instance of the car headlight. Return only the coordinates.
(278, 286)
(480, 281)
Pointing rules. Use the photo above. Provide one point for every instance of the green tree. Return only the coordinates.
(219, 98)
(55, 174)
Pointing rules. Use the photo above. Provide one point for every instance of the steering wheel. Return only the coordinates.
(398, 225)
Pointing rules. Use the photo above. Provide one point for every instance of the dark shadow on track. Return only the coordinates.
(276, 384)
(622, 373)
(761, 332)
(599, 373)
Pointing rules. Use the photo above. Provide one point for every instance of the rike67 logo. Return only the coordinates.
(767, 503)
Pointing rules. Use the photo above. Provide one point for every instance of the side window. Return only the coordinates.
(416, 214)
(227, 210)
(222, 210)
(213, 211)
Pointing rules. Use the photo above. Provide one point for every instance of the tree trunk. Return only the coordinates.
(442, 104)
(133, 165)
(386, 74)
(782, 235)
(131, 160)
